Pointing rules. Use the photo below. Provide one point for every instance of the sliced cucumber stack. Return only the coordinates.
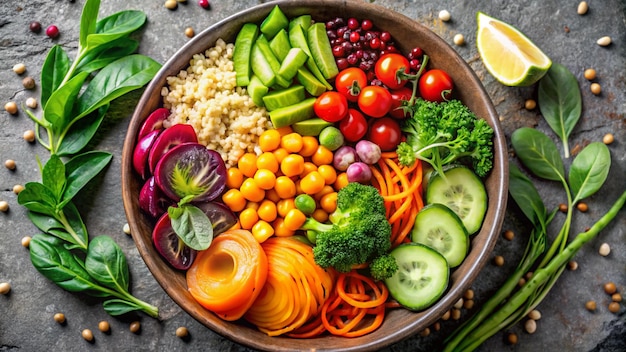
(463, 192)
(422, 276)
(438, 227)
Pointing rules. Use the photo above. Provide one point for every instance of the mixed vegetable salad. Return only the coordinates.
(361, 198)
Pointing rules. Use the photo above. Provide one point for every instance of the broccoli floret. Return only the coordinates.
(447, 132)
(359, 231)
(383, 267)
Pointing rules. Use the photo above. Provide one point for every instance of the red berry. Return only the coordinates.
(35, 27)
(385, 36)
(367, 25)
(204, 4)
(354, 37)
(52, 31)
(353, 23)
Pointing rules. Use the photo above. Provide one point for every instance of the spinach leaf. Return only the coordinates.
(116, 307)
(116, 79)
(58, 264)
(106, 263)
(538, 153)
(81, 169)
(116, 26)
(53, 177)
(44, 222)
(74, 225)
(560, 102)
(526, 196)
(192, 226)
(38, 198)
(53, 71)
(589, 170)
(88, 20)
(58, 110)
(104, 54)
(81, 132)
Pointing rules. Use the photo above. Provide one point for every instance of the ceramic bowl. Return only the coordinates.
(399, 323)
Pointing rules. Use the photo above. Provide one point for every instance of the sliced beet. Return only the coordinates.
(168, 139)
(141, 152)
(220, 215)
(154, 122)
(190, 170)
(170, 247)
(152, 200)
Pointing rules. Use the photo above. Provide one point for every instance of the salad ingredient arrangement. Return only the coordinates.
(73, 109)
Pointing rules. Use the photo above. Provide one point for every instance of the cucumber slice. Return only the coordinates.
(274, 22)
(304, 20)
(461, 191)
(280, 45)
(321, 51)
(261, 67)
(297, 38)
(241, 54)
(264, 47)
(439, 228)
(310, 83)
(293, 61)
(422, 276)
(310, 127)
(257, 91)
(280, 98)
(293, 113)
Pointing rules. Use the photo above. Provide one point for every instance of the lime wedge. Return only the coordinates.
(508, 54)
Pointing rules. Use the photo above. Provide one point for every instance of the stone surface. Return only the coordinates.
(26, 313)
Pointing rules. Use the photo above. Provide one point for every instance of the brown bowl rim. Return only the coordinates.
(482, 243)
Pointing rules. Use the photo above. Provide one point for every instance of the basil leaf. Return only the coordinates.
(589, 170)
(58, 110)
(53, 176)
(116, 26)
(526, 196)
(53, 71)
(81, 169)
(106, 263)
(116, 79)
(538, 153)
(81, 132)
(104, 54)
(88, 20)
(117, 307)
(58, 264)
(560, 102)
(192, 226)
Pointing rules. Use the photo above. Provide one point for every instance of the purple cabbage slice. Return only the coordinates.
(191, 171)
(222, 218)
(154, 122)
(168, 139)
(141, 152)
(170, 246)
(152, 200)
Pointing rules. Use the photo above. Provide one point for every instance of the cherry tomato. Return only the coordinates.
(388, 67)
(375, 101)
(350, 81)
(354, 126)
(385, 132)
(331, 106)
(397, 96)
(435, 85)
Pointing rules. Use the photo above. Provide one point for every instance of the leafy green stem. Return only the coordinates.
(60, 216)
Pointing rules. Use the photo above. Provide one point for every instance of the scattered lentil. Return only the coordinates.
(425, 332)
(616, 297)
(530, 104)
(582, 8)
(469, 294)
(595, 88)
(171, 4)
(10, 164)
(498, 260)
(5, 288)
(17, 189)
(610, 288)
(29, 136)
(563, 208)
(135, 326)
(445, 316)
(11, 107)
(572, 265)
(590, 74)
(26, 241)
(521, 282)
(456, 314)
(189, 32)
(511, 338)
(468, 304)
(591, 306)
(604, 250)
(28, 82)
(529, 275)
(31, 103)
(444, 15)
(604, 41)
(87, 335)
(582, 207)
(59, 318)
(534, 314)
(509, 235)
(437, 326)
(608, 138)
(19, 68)
(35, 27)
(104, 326)
(614, 307)
(530, 326)
(52, 31)
(4, 206)
(459, 304)
(126, 229)
(459, 39)
(182, 332)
